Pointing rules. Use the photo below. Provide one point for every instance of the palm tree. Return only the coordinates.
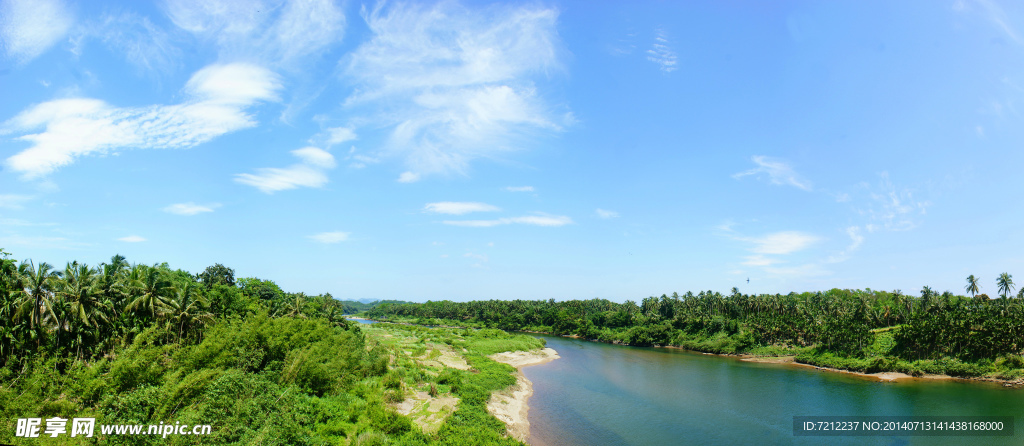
(1005, 283)
(972, 285)
(150, 287)
(187, 309)
(38, 281)
(86, 309)
(295, 309)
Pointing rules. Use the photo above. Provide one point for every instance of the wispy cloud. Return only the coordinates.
(218, 98)
(280, 35)
(190, 208)
(993, 13)
(778, 172)
(893, 208)
(662, 54)
(338, 135)
(759, 260)
(527, 220)
(142, 43)
(132, 239)
(519, 188)
(310, 172)
(800, 271)
(480, 259)
(606, 214)
(459, 208)
(452, 84)
(785, 242)
(13, 201)
(408, 177)
(330, 237)
(856, 239)
(38, 242)
(30, 27)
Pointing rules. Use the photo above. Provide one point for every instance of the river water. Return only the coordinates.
(600, 394)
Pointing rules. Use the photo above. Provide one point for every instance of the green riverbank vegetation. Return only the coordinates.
(858, 330)
(138, 344)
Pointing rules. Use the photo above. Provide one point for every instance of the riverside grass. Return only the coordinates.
(276, 381)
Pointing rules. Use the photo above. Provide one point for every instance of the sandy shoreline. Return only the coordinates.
(510, 406)
(881, 376)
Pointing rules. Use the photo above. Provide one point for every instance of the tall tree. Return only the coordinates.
(150, 287)
(1005, 283)
(186, 310)
(217, 274)
(972, 285)
(38, 281)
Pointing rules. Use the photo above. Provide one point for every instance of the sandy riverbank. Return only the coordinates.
(881, 376)
(510, 406)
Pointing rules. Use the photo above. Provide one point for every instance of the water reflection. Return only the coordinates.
(600, 394)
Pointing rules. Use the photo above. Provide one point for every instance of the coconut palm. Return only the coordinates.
(80, 287)
(1005, 283)
(38, 289)
(150, 288)
(972, 285)
(187, 310)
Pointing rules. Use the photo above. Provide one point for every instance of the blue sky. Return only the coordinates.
(519, 150)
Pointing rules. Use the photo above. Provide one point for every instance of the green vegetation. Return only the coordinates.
(860, 330)
(138, 344)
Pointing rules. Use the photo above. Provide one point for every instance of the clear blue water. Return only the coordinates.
(600, 394)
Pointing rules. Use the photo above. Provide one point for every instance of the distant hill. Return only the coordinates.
(361, 305)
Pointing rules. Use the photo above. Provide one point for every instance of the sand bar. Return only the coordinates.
(510, 405)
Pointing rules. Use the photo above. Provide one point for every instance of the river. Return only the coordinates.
(601, 394)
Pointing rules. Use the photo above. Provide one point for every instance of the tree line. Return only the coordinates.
(928, 326)
(84, 312)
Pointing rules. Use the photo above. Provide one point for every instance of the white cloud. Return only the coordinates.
(606, 214)
(137, 39)
(13, 201)
(315, 157)
(41, 242)
(519, 188)
(190, 208)
(759, 260)
(452, 85)
(270, 32)
(661, 53)
(855, 238)
(331, 237)
(778, 173)
(527, 220)
(785, 242)
(893, 208)
(338, 135)
(479, 257)
(132, 239)
(218, 97)
(459, 208)
(30, 27)
(996, 15)
(408, 177)
(805, 270)
(311, 172)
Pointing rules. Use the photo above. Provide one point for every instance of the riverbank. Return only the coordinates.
(880, 376)
(889, 373)
(511, 405)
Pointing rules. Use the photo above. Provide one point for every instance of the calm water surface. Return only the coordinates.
(600, 394)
